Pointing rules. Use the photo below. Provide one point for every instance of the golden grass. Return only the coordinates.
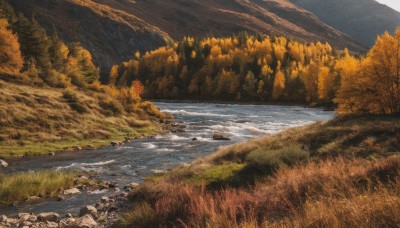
(20, 186)
(342, 173)
(36, 120)
(334, 192)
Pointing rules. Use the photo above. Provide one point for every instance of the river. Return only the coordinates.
(133, 161)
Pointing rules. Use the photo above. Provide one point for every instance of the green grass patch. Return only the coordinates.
(217, 176)
(43, 148)
(268, 161)
(20, 186)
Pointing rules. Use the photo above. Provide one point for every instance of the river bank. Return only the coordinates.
(138, 159)
(286, 179)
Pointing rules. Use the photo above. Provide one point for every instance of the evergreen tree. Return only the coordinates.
(33, 40)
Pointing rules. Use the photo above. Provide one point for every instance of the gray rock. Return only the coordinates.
(88, 210)
(33, 198)
(60, 198)
(26, 223)
(67, 222)
(3, 218)
(72, 191)
(23, 216)
(85, 221)
(194, 139)
(131, 185)
(3, 163)
(220, 137)
(48, 217)
(32, 218)
(50, 224)
(105, 199)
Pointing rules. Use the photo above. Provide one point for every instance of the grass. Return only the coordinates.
(20, 186)
(342, 173)
(39, 120)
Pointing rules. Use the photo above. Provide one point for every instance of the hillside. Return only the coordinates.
(39, 120)
(362, 20)
(112, 30)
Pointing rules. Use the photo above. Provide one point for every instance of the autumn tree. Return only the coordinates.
(81, 66)
(374, 86)
(10, 53)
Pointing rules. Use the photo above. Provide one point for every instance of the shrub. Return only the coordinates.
(56, 79)
(73, 101)
(112, 107)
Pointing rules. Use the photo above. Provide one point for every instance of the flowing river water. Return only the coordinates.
(140, 158)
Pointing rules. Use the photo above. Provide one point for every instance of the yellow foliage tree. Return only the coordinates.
(375, 86)
(279, 85)
(10, 53)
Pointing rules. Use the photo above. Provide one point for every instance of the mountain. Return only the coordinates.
(114, 29)
(363, 20)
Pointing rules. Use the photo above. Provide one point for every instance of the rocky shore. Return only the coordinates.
(103, 214)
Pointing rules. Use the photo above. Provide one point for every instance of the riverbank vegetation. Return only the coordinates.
(344, 172)
(52, 99)
(18, 187)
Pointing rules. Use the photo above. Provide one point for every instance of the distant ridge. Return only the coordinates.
(363, 20)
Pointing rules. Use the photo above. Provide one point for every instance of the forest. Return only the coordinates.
(269, 69)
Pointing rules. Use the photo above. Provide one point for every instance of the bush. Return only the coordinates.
(56, 79)
(112, 107)
(268, 161)
(73, 101)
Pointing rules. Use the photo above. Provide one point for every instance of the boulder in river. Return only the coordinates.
(85, 221)
(88, 210)
(48, 217)
(72, 191)
(3, 163)
(220, 137)
(194, 139)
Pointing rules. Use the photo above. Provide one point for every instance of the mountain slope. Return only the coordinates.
(111, 35)
(361, 19)
(225, 17)
(114, 29)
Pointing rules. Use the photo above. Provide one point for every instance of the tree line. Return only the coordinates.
(271, 69)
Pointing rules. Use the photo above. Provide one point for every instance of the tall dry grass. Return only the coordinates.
(335, 192)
